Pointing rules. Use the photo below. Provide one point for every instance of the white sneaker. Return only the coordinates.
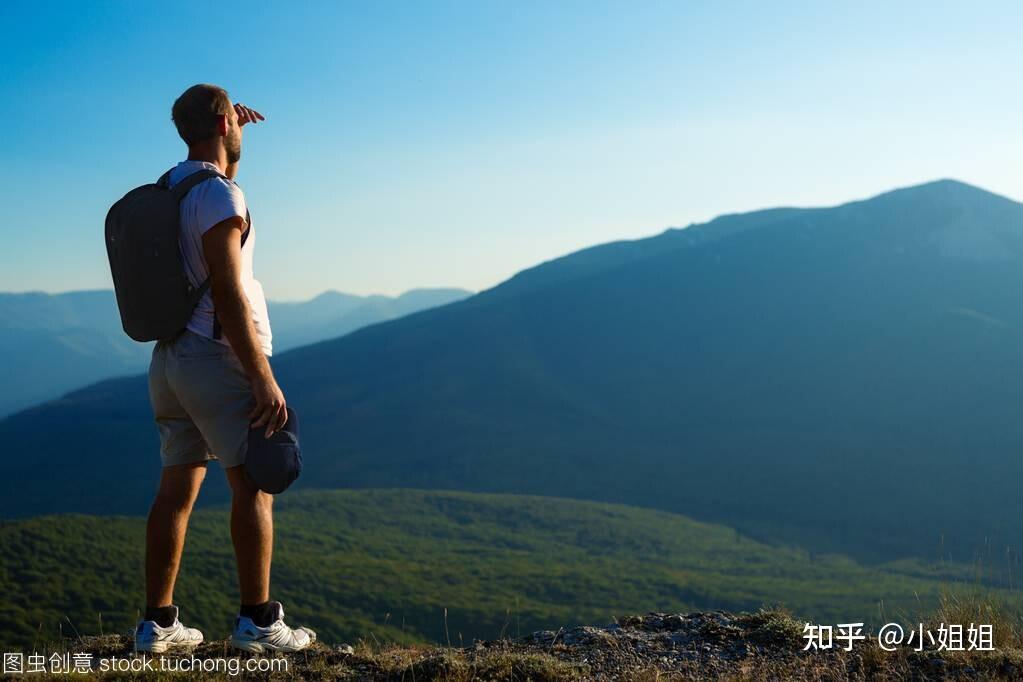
(248, 636)
(151, 637)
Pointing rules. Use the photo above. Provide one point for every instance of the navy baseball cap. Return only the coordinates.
(274, 463)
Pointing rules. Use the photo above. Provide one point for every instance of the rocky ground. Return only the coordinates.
(766, 645)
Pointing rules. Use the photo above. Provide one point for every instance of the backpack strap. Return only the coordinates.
(185, 186)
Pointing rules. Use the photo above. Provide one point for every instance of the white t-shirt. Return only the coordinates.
(207, 204)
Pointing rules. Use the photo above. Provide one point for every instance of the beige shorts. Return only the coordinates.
(201, 401)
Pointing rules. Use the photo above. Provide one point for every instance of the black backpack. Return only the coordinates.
(154, 295)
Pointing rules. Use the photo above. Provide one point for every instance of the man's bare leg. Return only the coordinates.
(166, 528)
(252, 531)
(260, 626)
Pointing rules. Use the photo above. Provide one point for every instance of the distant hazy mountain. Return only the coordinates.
(50, 344)
(843, 378)
(333, 314)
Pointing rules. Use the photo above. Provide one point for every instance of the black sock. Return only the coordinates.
(260, 614)
(164, 616)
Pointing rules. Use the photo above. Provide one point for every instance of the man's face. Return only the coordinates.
(233, 141)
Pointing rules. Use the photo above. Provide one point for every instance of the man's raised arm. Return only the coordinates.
(245, 115)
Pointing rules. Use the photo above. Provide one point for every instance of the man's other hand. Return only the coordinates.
(270, 409)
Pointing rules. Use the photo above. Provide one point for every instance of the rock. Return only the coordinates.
(674, 622)
(584, 635)
(544, 636)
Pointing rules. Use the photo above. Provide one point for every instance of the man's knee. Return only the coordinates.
(244, 489)
(180, 484)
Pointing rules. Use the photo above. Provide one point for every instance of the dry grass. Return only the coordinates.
(772, 639)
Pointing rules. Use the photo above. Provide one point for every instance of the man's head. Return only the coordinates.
(203, 114)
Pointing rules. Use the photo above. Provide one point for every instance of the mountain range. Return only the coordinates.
(53, 343)
(845, 378)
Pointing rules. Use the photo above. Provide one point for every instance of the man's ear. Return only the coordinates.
(223, 125)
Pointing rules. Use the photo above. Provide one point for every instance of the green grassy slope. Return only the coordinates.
(386, 564)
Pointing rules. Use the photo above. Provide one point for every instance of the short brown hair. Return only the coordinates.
(195, 112)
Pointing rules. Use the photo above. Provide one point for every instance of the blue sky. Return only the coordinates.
(417, 144)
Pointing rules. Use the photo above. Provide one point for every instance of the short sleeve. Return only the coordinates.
(221, 199)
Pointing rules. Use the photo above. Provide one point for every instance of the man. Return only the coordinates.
(210, 384)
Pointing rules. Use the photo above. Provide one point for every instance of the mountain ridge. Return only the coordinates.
(789, 363)
(724, 225)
